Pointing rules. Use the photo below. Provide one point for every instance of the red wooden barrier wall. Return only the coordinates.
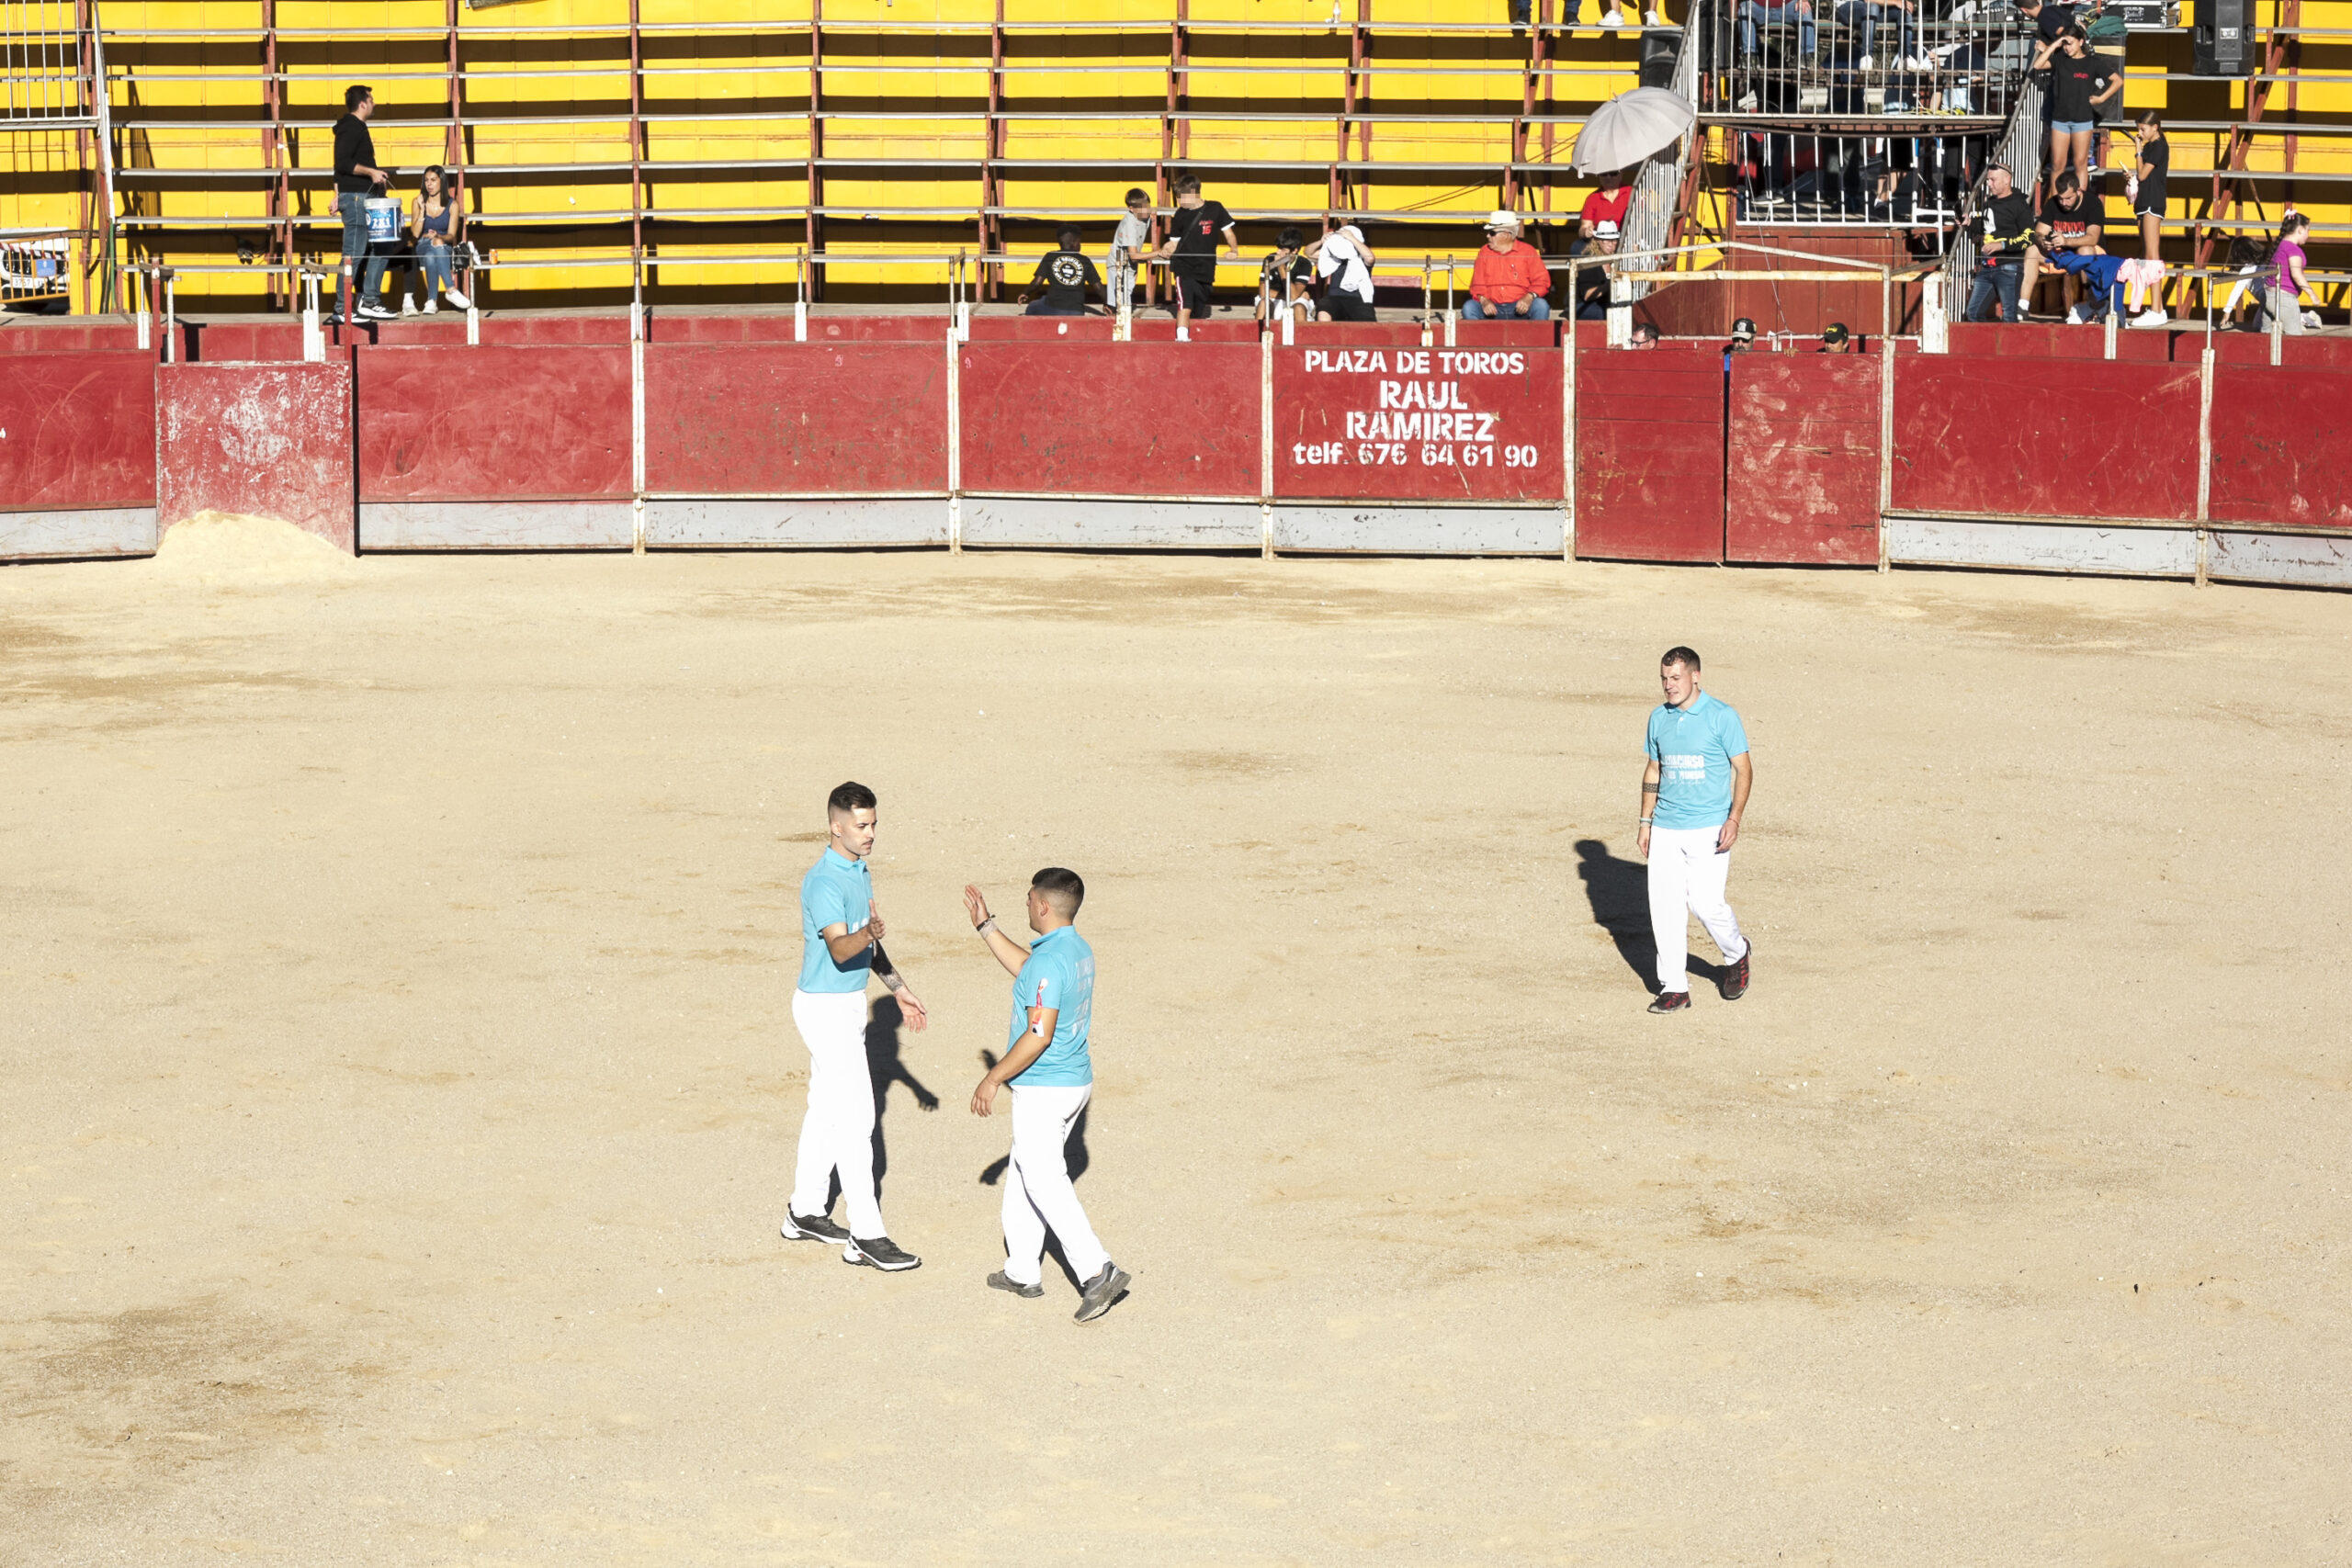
(1802, 481)
(261, 440)
(1995, 436)
(2282, 447)
(1650, 457)
(1441, 424)
(796, 419)
(493, 424)
(1151, 419)
(81, 430)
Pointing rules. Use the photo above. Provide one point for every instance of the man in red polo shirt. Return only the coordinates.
(1605, 206)
(1508, 281)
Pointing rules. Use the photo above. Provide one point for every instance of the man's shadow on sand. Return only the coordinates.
(1074, 1155)
(889, 1067)
(1619, 892)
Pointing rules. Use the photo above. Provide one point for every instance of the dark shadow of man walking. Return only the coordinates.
(1619, 891)
(884, 1063)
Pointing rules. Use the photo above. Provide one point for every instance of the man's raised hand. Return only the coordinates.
(976, 904)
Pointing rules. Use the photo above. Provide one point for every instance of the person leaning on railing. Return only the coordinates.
(2007, 221)
(1509, 280)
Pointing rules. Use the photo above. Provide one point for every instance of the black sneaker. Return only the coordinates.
(1103, 1292)
(1000, 1281)
(812, 1227)
(879, 1253)
(1670, 1002)
(1732, 979)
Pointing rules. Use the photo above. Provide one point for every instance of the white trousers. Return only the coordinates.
(1687, 878)
(838, 1132)
(1037, 1192)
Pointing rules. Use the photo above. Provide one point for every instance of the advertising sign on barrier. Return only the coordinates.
(1432, 424)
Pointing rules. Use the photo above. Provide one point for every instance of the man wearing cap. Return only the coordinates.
(1509, 280)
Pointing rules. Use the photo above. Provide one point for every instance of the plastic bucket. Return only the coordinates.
(383, 221)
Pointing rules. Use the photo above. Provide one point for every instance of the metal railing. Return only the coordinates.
(40, 66)
(2019, 152)
(1864, 59)
(1657, 187)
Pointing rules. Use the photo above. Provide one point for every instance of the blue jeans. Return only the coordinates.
(1538, 310)
(2002, 278)
(355, 247)
(1752, 12)
(1864, 15)
(438, 273)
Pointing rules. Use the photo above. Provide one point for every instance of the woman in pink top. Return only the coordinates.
(2286, 279)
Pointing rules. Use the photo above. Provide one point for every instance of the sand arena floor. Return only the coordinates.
(400, 1090)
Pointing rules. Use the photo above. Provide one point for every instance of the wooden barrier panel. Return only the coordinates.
(796, 419)
(1979, 436)
(259, 440)
(32, 334)
(1174, 420)
(494, 448)
(77, 454)
(2052, 339)
(1650, 457)
(2282, 447)
(1427, 424)
(1802, 481)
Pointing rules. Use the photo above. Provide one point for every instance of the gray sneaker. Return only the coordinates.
(1103, 1292)
(812, 1227)
(1000, 1281)
(879, 1253)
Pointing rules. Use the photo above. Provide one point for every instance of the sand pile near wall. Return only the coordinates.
(232, 550)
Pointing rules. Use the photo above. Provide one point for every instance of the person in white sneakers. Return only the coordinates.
(436, 225)
(841, 934)
(1046, 1064)
(1694, 792)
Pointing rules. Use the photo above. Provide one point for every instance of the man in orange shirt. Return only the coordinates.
(1508, 281)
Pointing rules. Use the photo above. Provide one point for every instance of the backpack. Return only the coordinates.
(2107, 26)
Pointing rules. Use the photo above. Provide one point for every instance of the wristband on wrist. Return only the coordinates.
(985, 926)
(1646, 821)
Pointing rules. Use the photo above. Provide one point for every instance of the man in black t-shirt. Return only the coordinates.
(2003, 225)
(2070, 221)
(356, 177)
(1285, 280)
(1062, 278)
(1191, 250)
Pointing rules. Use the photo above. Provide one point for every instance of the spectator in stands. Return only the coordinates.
(1287, 279)
(2151, 162)
(1591, 287)
(356, 178)
(1191, 250)
(1063, 277)
(1645, 335)
(2284, 297)
(1607, 206)
(1837, 339)
(2080, 91)
(1754, 14)
(1862, 16)
(436, 225)
(2070, 221)
(2103, 22)
(1509, 280)
(1344, 263)
(2008, 225)
(1132, 239)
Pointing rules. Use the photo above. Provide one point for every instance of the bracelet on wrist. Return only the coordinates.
(1645, 821)
(985, 926)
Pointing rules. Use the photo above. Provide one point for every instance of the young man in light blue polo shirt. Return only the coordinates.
(1046, 1062)
(840, 938)
(1694, 791)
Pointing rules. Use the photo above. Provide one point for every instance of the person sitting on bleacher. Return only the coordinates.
(1062, 278)
(2070, 221)
(1287, 279)
(1344, 263)
(1508, 281)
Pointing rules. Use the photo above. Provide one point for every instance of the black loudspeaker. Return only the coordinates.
(2222, 40)
(1662, 52)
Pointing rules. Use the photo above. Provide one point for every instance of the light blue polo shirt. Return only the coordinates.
(1059, 974)
(838, 891)
(1693, 746)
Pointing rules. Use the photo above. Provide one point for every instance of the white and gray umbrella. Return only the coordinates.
(1630, 127)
